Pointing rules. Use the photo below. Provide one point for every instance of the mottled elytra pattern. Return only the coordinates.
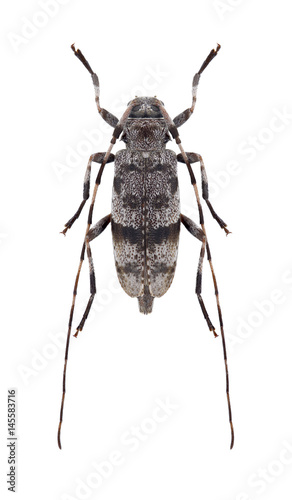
(145, 217)
(145, 221)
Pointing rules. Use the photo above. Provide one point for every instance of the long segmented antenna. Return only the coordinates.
(194, 183)
(89, 222)
(172, 125)
(116, 133)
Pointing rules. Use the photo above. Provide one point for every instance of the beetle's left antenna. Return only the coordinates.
(118, 128)
(68, 342)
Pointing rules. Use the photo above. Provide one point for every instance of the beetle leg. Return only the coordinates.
(98, 158)
(199, 234)
(93, 233)
(106, 115)
(174, 132)
(116, 133)
(89, 221)
(185, 115)
(193, 158)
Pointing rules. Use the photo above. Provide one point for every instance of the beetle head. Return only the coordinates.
(145, 107)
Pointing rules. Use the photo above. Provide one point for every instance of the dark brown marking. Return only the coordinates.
(162, 268)
(117, 184)
(164, 233)
(173, 184)
(126, 233)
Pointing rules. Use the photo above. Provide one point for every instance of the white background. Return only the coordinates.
(124, 362)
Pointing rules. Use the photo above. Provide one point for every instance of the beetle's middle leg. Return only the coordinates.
(199, 234)
(93, 233)
(98, 158)
(193, 158)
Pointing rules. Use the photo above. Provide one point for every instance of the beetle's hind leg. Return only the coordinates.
(93, 233)
(199, 234)
(193, 158)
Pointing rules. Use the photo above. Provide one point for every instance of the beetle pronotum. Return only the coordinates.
(145, 217)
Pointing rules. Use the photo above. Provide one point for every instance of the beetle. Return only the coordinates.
(145, 218)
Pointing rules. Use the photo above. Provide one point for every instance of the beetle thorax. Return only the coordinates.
(145, 134)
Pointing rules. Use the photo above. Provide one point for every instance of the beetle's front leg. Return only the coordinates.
(98, 158)
(111, 119)
(185, 115)
(193, 158)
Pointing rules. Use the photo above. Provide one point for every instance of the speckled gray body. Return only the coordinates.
(145, 215)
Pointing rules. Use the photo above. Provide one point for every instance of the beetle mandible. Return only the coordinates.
(145, 217)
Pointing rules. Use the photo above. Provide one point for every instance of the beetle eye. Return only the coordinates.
(136, 108)
(124, 138)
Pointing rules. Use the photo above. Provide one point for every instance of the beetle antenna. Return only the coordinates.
(194, 183)
(116, 133)
(174, 132)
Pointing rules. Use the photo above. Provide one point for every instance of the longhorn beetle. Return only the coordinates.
(145, 217)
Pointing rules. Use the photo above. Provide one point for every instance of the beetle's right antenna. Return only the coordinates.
(174, 132)
(209, 258)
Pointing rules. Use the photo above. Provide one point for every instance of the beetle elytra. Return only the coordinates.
(145, 218)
